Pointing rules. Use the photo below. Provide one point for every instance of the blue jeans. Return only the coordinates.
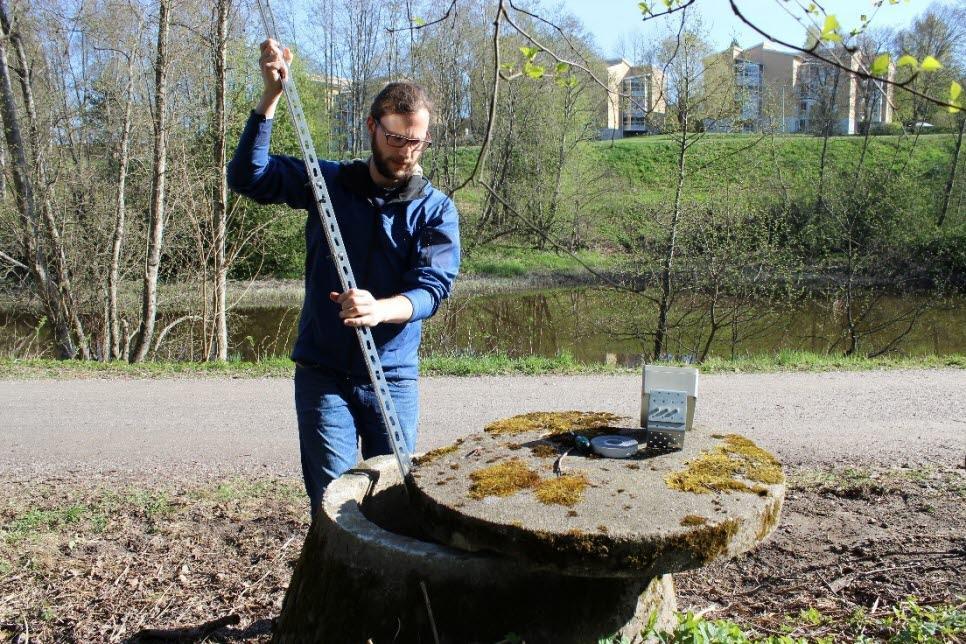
(338, 415)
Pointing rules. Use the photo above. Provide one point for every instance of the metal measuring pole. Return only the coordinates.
(338, 253)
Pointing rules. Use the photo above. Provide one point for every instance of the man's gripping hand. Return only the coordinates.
(273, 63)
(360, 308)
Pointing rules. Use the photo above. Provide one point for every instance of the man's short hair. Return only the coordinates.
(400, 97)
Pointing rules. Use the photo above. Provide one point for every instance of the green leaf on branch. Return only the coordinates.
(644, 8)
(930, 64)
(668, 3)
(507, 67)
(830, 29)
(561, 68)
(565, 82)
(529, 52)
(533, 71)
(908, 61)
(880, 66)
(955, 91)
(419, 22)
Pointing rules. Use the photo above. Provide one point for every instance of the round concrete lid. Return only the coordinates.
(650, 514)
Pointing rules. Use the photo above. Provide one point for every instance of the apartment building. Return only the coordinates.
(635, 100)
(766, 87)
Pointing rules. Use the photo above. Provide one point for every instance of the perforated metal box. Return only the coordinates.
(668, 398)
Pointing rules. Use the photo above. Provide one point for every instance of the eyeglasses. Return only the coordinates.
(400, 141)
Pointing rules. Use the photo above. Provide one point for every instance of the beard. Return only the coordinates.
(399, 173)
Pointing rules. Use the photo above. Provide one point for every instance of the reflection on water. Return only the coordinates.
(616, 327)
(600, 325)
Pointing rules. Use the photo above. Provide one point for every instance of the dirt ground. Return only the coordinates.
(98, 559)
(851, 544)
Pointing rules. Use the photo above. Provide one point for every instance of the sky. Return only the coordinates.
(608, 20)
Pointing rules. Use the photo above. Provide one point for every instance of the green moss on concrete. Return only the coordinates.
(761, 465)
(737, 464)
(434, 454)
(542, 450)
(769, 519)
(708, 542)
(565, 490)
(502, 479)
(575, 542)
(691, 520)
(556, 422)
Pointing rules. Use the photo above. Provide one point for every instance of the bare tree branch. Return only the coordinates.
(10, 260)
(412, 28)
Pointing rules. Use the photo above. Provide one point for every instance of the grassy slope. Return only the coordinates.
(748, 161)
(741, 166)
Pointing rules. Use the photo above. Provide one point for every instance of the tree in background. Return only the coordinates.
(939, 32)
(691, 106)
(531, 182)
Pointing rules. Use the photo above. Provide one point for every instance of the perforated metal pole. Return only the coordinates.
(338, 253)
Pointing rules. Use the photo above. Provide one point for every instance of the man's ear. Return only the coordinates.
(371, 124)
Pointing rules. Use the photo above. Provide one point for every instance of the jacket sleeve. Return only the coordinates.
(266, 178)
(430, 281)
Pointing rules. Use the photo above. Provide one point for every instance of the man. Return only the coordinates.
(402, 240)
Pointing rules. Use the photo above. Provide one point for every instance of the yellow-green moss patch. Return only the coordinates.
(575, 542)
(737, 464)
(433, 454)
(563, 490)
(769, 519)
(543, 450)
(692, 520)
(761, 465)
(502, 479)
(553, 422)
(707, 542)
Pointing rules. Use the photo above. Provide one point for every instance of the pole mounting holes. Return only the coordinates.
(333, 238)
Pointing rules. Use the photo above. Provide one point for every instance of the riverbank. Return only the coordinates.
(486, 276)
(492, 365)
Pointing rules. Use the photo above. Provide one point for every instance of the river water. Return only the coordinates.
(604, 325)
(598, 325)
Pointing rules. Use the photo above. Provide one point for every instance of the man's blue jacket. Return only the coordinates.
(404, 242)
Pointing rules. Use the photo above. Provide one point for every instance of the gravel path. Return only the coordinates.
(220, 426)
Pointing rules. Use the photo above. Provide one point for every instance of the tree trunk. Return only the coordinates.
(826, 133)
(120, 214)
(26, 201)
(3, 172)
(850, 301)
(952, 175)
(220, 210)
(149, 295)
(660, 335)
(65, 293)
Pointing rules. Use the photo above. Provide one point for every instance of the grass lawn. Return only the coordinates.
(455, 365)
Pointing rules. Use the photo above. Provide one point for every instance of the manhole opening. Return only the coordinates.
(389, 509)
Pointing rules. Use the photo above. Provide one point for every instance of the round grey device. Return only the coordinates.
(612, 446)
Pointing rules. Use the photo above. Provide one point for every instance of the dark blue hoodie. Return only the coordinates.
(404, 242)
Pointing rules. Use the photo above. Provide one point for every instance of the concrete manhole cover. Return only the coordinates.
(524, 489)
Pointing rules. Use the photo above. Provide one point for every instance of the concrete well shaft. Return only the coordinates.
(356, 580)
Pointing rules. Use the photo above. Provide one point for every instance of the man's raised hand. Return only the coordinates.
(273, 63)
